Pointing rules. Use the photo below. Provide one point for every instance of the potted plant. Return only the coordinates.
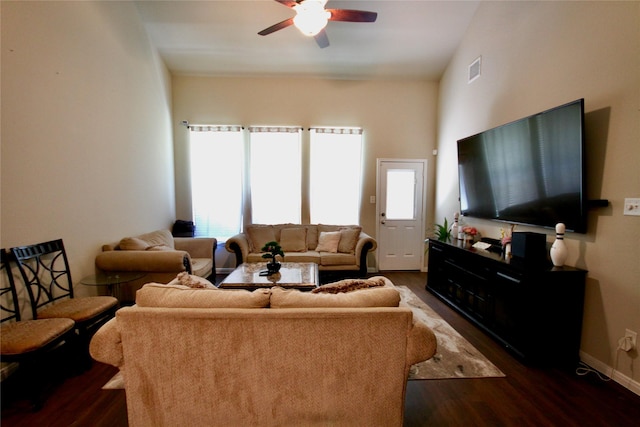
(272, 249)
(443, 232)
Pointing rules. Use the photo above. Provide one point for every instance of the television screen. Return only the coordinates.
(530, 171)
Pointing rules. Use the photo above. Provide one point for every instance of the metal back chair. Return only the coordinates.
(9, 303)
(29, 341)
(45, 270)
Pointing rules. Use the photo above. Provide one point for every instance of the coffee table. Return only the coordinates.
(293, 275)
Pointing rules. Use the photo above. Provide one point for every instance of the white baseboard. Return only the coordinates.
(623, 380)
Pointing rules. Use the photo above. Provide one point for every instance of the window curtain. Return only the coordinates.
(335, 175)
(276, 174)
(217, 157)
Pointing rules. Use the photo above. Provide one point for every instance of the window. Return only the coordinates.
(260, 174)
(216, 151)
(335, 175)
(401, 194)
(275, 175)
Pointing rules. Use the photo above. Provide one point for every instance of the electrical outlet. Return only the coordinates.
(632, 207)
(633, 335)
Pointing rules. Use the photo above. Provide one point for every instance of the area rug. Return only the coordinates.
(455, 357)
(115, 383)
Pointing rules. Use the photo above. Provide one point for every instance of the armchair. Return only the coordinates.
(158, 255)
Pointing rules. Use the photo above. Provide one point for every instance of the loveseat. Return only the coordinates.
(336, 248)
(159, 256)
(270, 357)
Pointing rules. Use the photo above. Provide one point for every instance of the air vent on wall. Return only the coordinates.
(474, 69)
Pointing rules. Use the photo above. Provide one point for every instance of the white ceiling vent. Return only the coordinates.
(474, 69)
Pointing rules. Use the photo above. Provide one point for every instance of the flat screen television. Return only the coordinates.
(530, 171)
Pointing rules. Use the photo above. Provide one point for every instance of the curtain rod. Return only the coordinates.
(186, 124)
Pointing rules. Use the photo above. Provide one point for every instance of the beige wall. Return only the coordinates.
(537, 55)
(86, 131)
(399, 119)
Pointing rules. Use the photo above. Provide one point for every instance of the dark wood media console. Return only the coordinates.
(534, 312)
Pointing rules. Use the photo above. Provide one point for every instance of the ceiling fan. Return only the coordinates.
(311, 18)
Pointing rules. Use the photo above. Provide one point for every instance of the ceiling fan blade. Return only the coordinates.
(322, 39)
(276, 27)
(352, 15)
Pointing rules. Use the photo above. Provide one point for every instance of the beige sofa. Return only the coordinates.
(193, 357)
(159, 256)
(343, 252)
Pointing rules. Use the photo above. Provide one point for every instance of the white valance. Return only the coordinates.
(280, 129)
(215, 128)
(344, 131)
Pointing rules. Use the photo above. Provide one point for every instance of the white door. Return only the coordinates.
(401, 210)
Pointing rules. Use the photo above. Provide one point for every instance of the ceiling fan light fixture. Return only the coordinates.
(311, 18)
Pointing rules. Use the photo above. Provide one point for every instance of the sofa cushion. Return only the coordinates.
(312, 237)
(328, 259)
(373, 297)
(202, 267)
(348, 285)
(133, 244)
(178, 296)
(259, 235)
(293, 239)
(308, 256)
(348, 240)
(328, 227)
(328, 241)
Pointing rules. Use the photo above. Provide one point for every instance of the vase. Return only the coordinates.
(273, 267)
(559, 250)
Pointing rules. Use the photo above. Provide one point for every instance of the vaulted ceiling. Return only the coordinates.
(410, 39)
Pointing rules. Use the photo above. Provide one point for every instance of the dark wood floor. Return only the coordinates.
(527, 396)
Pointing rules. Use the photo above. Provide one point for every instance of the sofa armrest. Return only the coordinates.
(421, 343)
(144, 261)
(365, 244)
(106, 344)
(198, 247)
(239, 245)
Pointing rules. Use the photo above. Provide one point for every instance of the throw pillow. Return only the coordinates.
(157, 238)
(293, 239)
(133, 244)
(192, 281)
(328, 242)
(159, 248)
(375, 297)
(259, 235)
(348, 240)
(349, 285)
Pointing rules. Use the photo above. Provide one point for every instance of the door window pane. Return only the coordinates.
(401, 194)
